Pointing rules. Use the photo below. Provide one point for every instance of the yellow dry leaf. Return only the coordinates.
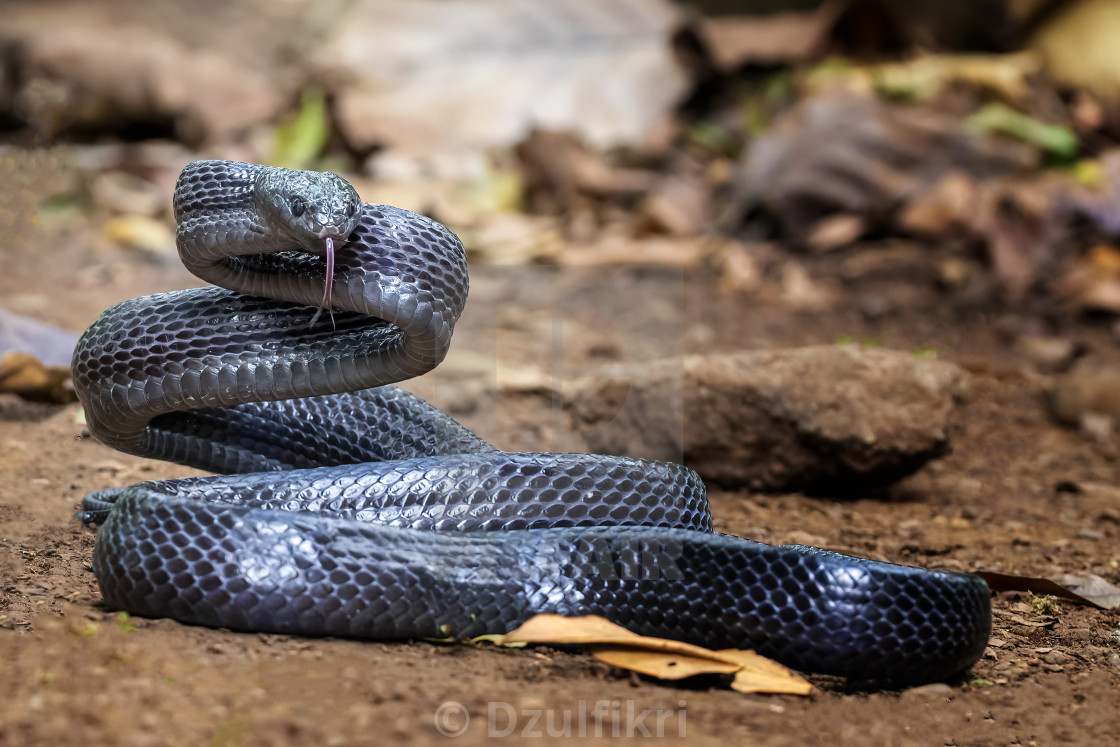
(1106, 259)
(23, 374)
(761, 675)
(595, 629)
(658, 657)
(139, 232)
(666, 665)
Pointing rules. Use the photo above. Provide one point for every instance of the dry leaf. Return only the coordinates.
(839, 152)
(739, 271)
(1080, 587)
(761, 675)
(1092, 589)
(658, 657)
(35, 359)
(1105, 259)
(1005, 75)
(140, 232)
(835, 231)
(733, 41)
(23, 374)
(678, 205)
(1043, 622)
(664, 665)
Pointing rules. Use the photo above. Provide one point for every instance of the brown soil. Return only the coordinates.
(1018, 494)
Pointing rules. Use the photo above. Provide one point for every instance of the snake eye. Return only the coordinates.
(298, 206)
(350, 210)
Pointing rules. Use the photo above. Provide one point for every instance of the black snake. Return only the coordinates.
(350, 507)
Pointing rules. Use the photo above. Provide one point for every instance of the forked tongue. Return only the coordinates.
(328, 284)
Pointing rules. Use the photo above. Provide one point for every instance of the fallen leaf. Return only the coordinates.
(927, 75)
(23, 374)
(1079, 587)
(950, 203)
(739, 270)
(847, 153)
(1057, 140)
(761, 675)
(835, 231)
(1092, 589)
(35, 359)
(560, 173)
(1105, 259)
(801, 291)
(678, 206)
(661, 664)
(658, 657)
(139, 232)
(1044, 622)
(1013, 219)
(733, 41)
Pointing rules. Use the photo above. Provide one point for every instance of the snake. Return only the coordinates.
(342, 505)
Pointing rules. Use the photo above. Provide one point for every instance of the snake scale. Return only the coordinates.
(346, 506)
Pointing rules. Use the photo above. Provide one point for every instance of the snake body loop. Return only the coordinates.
(350, 507)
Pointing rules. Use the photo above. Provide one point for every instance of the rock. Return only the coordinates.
(1091, 393)
(85, 72)
(423, 76)
(1050, 354)
(50, 345)
(828, 418)
(1057, 657)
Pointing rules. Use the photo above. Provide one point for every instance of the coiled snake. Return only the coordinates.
(350, 507)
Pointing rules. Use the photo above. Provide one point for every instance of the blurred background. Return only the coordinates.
(862, 160)
(937, 173)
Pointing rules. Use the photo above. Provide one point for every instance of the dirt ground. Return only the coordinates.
(1017, 494)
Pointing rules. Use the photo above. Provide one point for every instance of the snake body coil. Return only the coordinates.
(350, 507)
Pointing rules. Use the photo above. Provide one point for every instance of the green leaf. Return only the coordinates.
(299, 140)
(1055, 140)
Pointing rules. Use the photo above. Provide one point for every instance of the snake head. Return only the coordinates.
(307, 206)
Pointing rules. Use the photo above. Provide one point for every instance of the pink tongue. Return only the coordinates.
(326, 302)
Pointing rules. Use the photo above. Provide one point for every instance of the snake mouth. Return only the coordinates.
(331, 232)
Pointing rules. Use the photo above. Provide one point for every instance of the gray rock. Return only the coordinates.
(829, 418)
